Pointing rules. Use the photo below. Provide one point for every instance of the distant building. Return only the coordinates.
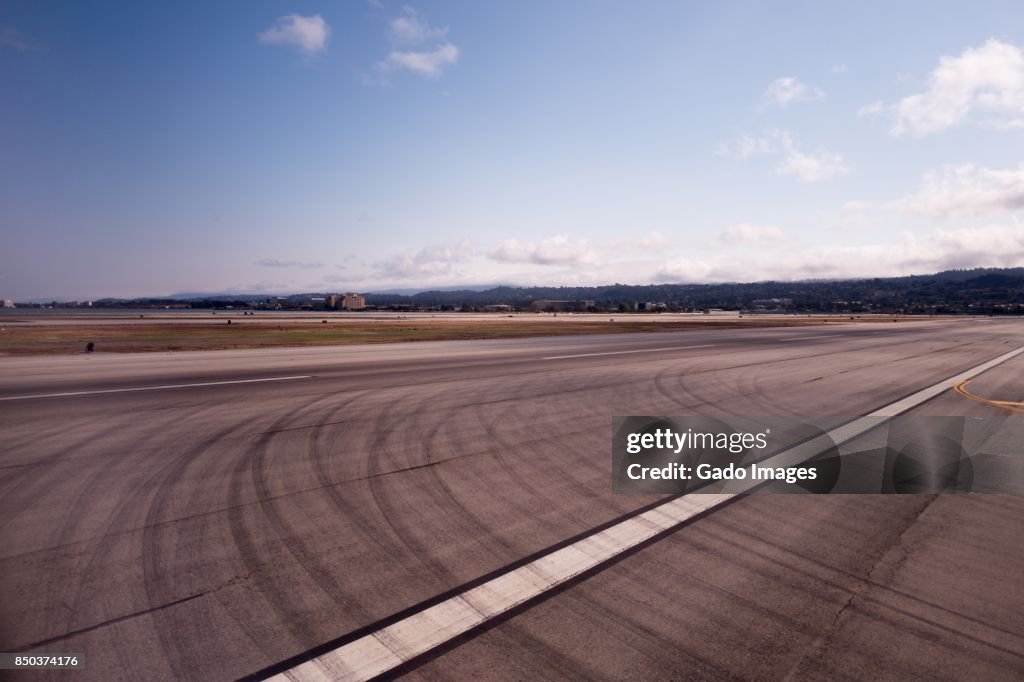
(651, 307)
(771, 303)
(353, 301)
(498, 308)
(332, 302)
(8, 303)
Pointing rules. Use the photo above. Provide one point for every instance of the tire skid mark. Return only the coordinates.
(677, 372)
(541, 410)
(25, 485)
(320, 457)
(280, 496)
(579, 464)
(466, 522)
(183, 653)
(684, 378)
(501, 446)
(36, 439)
(197, 536)
(517, 500)
(387, 508)
(390, 539)
(74, 517)
(718, 540)
(517, 633)
(779, 401)
(134, 499)
(717, 390)
(733, 385)
(644, 641)
(246, 541)
(519, 636)
(479, 530)
(566, 467)
(289, 536)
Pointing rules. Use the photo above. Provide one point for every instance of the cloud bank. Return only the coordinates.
(807, 167)
(556, 250)
(967, 189)
(983, 84)
(309, 34)
(432, 54)
(785, 91)
(276, 263)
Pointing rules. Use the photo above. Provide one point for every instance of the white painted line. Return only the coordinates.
(391, 646)
(165, 387)
(624, 352)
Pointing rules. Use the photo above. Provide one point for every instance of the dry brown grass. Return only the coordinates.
(175, 335)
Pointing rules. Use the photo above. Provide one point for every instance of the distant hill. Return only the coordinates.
(953, 291)
(418, 290)
(198, 295)
(979, 290)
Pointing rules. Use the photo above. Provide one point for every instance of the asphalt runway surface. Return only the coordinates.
(210, 515)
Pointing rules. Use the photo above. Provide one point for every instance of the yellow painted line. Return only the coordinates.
(961, 388)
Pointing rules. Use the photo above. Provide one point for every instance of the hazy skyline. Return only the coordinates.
(312, 146)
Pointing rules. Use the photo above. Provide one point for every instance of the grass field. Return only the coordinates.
(165, 335)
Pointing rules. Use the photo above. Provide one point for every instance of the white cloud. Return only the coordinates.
(839, 68)
(771, 254)
(749, 233)
(636, 243)
(809, 167)
(429, 63)
(309, 34)
(684, 271)
(990, 246)
(871, 108)
(433, 53)
(556, 250)
(409, 29)
(10, 37)
(854, 215)
(746, 146)
(276, 263)
(262, 287)
(984, 84)
(784, 91)
(374, 80)
(817, 167)
(1008, 124)
(428, 262)
(967, 189)
(651, 239)
(993, 245)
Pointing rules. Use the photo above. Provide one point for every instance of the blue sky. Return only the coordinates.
(153, 148)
